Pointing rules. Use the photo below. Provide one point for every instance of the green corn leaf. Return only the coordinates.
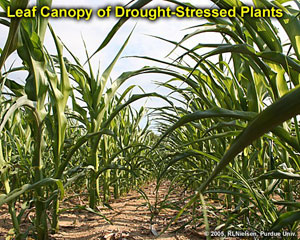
(4, 4)
(33, 55)
(20, 102)
(131, 100)
(211, 113)
(287, 106)
(291, 204)
(289, 22)
(286, 219)
(12, 39)
(42, 22)
(137, 5)
(107, 72)
(115, 167)
(82, 140)
(5, 23)
(277, 174)
(60, 92)
(5, 198)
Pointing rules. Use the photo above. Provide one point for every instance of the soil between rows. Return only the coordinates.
(130, 217)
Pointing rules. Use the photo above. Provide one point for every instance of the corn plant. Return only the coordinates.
(30, 38)
(232, 107)
(100, 113)
(233, 139)
(44, 97)
(42, 80)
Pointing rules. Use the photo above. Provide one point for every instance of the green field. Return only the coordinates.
(227, 134)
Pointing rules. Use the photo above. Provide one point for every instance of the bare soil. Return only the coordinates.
(130, 219)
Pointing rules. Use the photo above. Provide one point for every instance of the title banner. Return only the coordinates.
(150, 14)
